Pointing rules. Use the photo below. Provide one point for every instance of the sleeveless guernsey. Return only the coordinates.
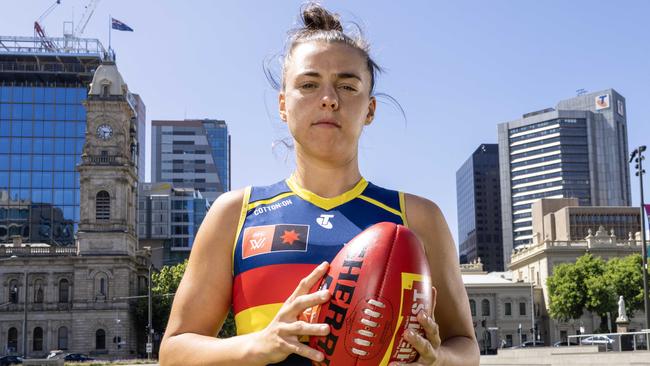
(285, 231)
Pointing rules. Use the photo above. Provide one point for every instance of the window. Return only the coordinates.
(508, 340)
(472, 306)
(12, 339)
(106, 90)
(63, 338)
(102, 286)
(103, 206)
(100, 339)
(37, 341)
(485, 307)
(522, 308)
(508, 310)
(64, 290)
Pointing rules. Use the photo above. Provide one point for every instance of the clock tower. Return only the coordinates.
(108, 171)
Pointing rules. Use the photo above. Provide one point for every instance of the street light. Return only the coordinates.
(637, 157)
(150, 331)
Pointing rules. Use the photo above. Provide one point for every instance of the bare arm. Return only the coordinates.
(458, 344)
(204, 297)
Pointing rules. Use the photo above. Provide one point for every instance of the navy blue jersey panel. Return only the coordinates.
(388, 197)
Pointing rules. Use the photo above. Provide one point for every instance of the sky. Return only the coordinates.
(457, 68)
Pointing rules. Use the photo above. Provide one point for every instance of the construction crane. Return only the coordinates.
(88, 13)
(40, 31)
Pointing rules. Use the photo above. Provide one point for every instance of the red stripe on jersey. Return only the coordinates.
(267, 285)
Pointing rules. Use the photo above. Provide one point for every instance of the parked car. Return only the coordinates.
(566, 343)
(10, 360)
(529, 344)
(78, 357)
(597, 339)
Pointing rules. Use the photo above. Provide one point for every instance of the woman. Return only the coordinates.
(259, 248)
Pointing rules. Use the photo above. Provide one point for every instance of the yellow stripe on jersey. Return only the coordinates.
(326, 203)
(270, 200)
(242, 219)
(255, 318)
(402, 207)
(379, 204)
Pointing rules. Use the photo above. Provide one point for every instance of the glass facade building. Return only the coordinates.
(576, 150)
(479, 209)
(42, 132)
(192, 154)
(41, 137)
(172, 216)
(549, 159)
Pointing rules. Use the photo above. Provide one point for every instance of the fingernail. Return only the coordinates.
(322, 265)
(323, 294)
(325, 327)
(320, 357)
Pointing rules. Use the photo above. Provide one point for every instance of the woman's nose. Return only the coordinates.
(330, 100)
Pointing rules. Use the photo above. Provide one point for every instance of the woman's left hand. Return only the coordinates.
(429, 347)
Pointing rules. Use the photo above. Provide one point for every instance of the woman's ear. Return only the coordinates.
(282, 106)
(372, 105)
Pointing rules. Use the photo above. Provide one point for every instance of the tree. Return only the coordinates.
(166, 282)
(594, 285)
(626, 278)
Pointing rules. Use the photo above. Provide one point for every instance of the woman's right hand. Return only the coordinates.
(281, 337)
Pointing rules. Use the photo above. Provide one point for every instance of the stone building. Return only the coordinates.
(501, 308)
(76, 298)
(562, 232)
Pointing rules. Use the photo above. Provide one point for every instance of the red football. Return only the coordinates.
(379, 282)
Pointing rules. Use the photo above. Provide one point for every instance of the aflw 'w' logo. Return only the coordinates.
(257, 243)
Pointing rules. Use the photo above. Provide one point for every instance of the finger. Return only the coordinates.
(308, 282)
(422, 346)
(301, 328)
(434, 297)
(303, 350)
(303, 302)
(431, 329)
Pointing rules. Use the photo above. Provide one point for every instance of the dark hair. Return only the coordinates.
(319, 24)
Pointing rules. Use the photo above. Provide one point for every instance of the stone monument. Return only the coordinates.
(622, 322)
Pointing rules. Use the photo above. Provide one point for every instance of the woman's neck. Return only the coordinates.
(325, 179)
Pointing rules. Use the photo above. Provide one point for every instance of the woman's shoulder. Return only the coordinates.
(422, 212)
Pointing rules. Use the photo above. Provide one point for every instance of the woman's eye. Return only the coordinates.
(348, 88)
(308, 86)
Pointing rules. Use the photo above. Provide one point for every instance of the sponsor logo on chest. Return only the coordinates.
(274, 238)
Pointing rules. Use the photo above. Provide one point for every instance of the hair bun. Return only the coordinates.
(315, 18)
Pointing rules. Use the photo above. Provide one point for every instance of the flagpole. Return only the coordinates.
(109, 33)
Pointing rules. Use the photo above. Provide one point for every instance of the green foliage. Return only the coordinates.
(624, 274)
(593, 284)
(566, 293)
(166, 282)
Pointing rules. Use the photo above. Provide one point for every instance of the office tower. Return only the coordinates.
(576, 150)
(479, 209)
(169, 218)
(192, 154)
(141, 123)
(42, 128)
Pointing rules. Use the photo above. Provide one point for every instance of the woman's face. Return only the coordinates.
(326, 100)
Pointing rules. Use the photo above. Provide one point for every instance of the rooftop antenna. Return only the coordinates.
(581, 91)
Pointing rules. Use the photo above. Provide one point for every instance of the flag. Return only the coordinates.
(116, 24)
(647, 211)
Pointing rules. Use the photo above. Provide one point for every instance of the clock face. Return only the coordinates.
(104, 132)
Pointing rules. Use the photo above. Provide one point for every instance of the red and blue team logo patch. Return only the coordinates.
(274, 238)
